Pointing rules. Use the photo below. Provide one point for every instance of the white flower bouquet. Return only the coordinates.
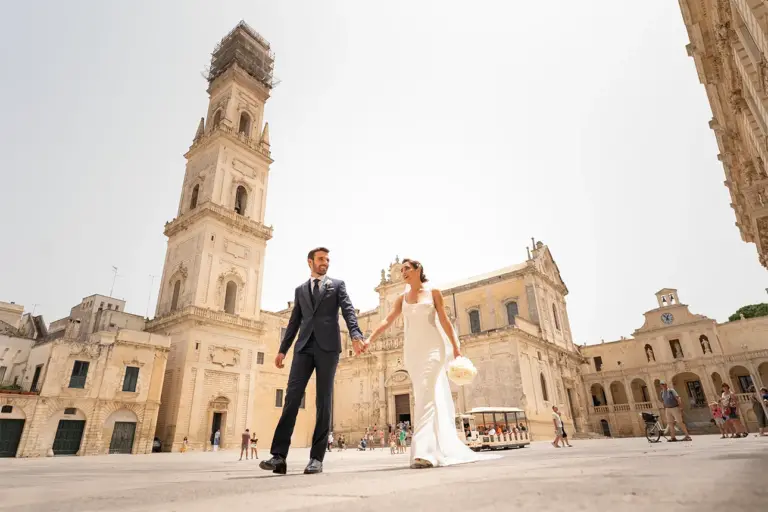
(461, 371)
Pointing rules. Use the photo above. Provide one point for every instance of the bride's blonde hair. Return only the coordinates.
(417, 266)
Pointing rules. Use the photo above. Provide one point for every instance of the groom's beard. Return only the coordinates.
(321, 271)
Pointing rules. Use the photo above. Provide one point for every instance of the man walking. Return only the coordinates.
(315, 317)
(245, 443)
(673, 411)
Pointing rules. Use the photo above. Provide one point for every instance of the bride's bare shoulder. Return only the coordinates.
(437, 294)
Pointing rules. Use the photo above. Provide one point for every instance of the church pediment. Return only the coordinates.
(667, 317)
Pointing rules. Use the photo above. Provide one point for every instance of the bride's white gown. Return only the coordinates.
(426, 354)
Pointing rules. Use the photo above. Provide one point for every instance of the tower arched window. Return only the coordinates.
(544, 391)
(245, 124)
(195, 193)
(175, 297)
(230, 298)
(554, 315)
(512, 312)
(474, 321)
(217, 118)
(241, 200)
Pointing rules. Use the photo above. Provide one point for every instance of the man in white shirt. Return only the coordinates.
(558, 424)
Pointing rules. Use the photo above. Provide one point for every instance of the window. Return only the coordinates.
(696, 393)
(69, 411)
(538, 354)
(197, 345)
(554, 315)
(544, 392)
(117, 308)
(474, 321)
(109, 306)
(131, 377)
(36, 378)
(745, 382)
(2, 372)
(217, 118)
(259, 357)
(278, 398)
(245, 124)
(230, 297)
(175, 298)
(79, 373)
(598, 363)
(512, 312)
(7, 409)
(303, 404)
(193, 201)
(241, 200)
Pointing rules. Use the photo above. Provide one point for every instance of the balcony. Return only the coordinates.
(225, 215)
(206, 315)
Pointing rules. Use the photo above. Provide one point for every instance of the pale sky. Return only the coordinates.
(450, 132)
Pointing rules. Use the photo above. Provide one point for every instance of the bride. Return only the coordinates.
(435, 441)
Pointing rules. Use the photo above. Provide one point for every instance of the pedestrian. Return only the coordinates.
(245, 443)
(717, 417)
(562, 428)
(757, 407)
(673, 411)
(402, 440)
(730, 404)
(216, 440)
(392, 443)
(254, 448)
(184, 445)
(382, 440)
(558, 424)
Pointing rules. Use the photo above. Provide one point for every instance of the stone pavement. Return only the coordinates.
(610, 474)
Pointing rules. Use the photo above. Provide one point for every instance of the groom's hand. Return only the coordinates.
(279, 360)
(357, 346)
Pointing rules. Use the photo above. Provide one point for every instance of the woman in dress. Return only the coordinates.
(730, 404)
(430, 342)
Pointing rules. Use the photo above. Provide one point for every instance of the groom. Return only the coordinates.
(315, 317)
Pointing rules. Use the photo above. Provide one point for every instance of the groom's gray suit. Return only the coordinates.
(315, 317)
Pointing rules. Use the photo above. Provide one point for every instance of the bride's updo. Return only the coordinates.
(417, 266)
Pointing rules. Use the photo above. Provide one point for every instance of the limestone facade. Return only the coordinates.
(512, 323)
(74, 393)
(220, 373)
(729, 45)
(694, 354)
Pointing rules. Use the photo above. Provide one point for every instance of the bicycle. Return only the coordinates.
(653, 429)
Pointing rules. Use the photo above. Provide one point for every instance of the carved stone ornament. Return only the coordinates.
(223, 356)
(91, 350)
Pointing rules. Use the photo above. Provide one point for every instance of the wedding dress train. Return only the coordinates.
(426, 352)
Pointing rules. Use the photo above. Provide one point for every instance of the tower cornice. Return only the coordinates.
(224, 215)
(221, 131)
(204, 316)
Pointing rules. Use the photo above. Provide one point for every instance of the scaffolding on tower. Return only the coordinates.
(246, 48)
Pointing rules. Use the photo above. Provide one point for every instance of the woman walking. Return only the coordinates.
(757, 400)
(730, 404)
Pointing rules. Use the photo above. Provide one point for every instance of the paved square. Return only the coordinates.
(708, 473)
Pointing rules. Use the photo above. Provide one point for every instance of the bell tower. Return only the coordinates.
(217, 241)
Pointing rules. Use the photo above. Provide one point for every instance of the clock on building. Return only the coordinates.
(667, 318)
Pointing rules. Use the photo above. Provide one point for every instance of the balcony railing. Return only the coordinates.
(620, 407)
(601, 409)
(643, 406)
(218, 317)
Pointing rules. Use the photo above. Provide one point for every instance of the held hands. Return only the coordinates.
(279, 360)
(359, 346)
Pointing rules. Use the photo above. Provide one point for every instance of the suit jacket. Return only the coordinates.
(322, 318)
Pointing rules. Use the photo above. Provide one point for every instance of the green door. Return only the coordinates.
(122, 437)
(10, 435)
(68, 437)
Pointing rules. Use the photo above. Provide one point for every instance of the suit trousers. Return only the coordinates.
(310, 358)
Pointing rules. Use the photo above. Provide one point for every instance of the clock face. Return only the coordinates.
(667, 318)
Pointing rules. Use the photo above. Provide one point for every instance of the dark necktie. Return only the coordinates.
(316, 291)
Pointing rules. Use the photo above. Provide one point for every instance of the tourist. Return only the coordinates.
(673, 412)
(717, 417)
(382, 440)
(216, 440)
(254, 449)
(392, 443)
(562, 428)
(757, 406)
(361, 447)
(184, 445)
(401, 438)
(730, 404)
(245, 442)
(330, 441)
(371, 438)
(558, 424)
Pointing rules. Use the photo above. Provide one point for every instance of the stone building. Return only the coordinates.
(220, 374)
(512, 323)
(84, 396)
(694, 354)
(729, 45)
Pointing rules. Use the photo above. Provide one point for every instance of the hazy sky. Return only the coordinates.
(451, 132)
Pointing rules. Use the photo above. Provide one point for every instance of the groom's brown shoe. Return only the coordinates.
(276, 465)
(314, 467)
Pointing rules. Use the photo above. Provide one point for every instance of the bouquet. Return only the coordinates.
(461, 371)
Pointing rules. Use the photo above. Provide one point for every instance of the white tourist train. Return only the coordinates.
(493, 428)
